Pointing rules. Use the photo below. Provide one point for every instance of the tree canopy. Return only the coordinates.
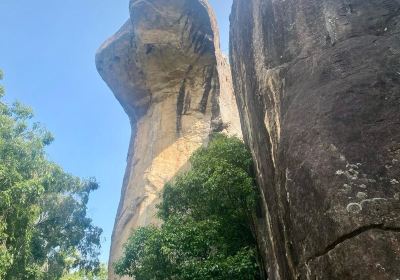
(207, 230)
(101, 274)
(44, 228)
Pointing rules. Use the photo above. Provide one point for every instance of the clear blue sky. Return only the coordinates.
(47, 53)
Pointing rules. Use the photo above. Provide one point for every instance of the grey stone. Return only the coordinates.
(318, 91)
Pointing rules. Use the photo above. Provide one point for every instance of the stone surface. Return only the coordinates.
(166, 69)
(318, 90)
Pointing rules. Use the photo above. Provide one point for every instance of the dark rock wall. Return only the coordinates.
(318, 89)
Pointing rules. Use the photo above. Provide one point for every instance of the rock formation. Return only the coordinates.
(318, 90)
(166, 69)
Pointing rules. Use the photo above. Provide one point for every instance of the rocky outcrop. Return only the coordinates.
(166, 69)
(318, 90)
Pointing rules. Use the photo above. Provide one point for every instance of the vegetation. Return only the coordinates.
(85, 275)
(207, 228)
(44, 230)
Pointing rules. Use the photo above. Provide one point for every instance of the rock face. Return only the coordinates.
(166, 69)
(318, 90)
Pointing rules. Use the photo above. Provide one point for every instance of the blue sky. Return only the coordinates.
(47, 53)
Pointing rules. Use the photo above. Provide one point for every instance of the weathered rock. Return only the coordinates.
(166, 69)
(318, 90)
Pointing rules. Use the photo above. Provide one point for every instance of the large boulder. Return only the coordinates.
(166, 69)
(318, 90)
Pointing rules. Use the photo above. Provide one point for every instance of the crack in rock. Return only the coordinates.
(351, 235)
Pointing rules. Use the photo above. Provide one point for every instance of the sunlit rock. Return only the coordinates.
(166, 69)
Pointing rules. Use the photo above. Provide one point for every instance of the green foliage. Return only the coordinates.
(207, 214)
(44, 230)
(1, 87)
(84, 275)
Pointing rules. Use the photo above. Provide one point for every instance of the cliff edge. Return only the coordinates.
(166, 69)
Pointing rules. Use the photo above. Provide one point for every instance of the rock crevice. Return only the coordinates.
(317, 85)
(351, 235)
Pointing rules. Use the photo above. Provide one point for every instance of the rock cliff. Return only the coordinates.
(318, 90)
(166, 69)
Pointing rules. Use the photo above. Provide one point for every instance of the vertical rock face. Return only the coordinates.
(318, 90)
(166, 69)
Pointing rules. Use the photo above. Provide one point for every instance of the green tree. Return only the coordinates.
(207, 230)
(84, 275)
(44, 229)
